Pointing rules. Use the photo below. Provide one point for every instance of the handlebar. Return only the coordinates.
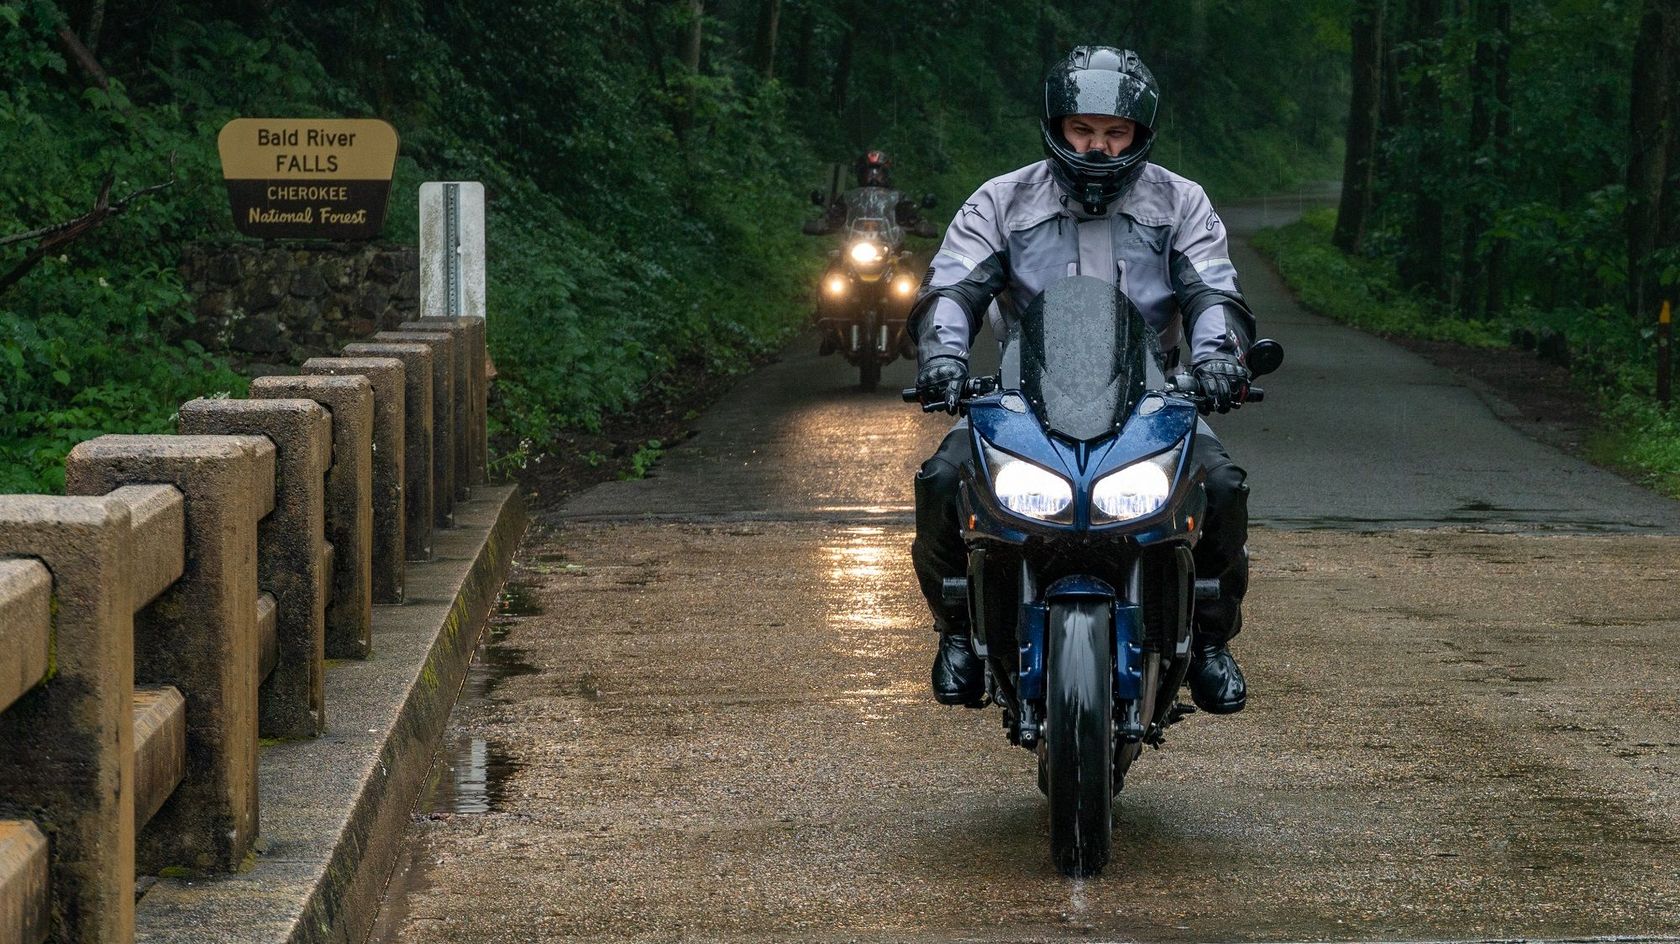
(972, 387)
(1187, 386)
(1184, 385)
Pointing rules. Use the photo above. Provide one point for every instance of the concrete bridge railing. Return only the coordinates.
(179, 603)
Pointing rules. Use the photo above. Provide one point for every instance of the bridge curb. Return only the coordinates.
(335, 808)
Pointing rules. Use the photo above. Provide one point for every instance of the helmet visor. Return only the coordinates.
(1101, 92)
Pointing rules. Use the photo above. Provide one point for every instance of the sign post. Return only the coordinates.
(308, 178)
(452, 249)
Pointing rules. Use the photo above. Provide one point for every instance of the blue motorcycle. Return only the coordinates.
(1080, 510)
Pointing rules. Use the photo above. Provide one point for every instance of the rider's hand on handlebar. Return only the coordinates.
(1224, 381)
(941, 380)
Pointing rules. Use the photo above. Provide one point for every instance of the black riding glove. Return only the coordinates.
(941, 380)
(1223, 380)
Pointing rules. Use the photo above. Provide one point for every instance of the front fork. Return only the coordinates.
(1137, 671)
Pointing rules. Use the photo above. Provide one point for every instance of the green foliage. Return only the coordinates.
(1359, 292)
(644, 218)
(1609, 357)
(1550, 196)
(1641, 438)
(643, 459)
(83, 337)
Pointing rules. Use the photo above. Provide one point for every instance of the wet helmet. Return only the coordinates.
(874, 169)
(1098, 80)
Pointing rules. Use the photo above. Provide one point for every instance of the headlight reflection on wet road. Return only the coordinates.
(866, 569)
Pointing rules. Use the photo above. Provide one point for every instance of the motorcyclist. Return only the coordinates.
(1096, 207)
(873, 171)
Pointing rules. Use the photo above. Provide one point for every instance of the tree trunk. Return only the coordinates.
(1485, 168)
(1423, 265)
(696, 27)
(96, 24)
(1649, 147)
(843, 71)
(769, 23)
(1359, 164)
(802, 48)
(1500, 246)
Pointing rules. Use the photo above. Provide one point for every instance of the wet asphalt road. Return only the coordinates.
(704, 714)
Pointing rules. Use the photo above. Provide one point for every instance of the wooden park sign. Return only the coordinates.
(308, 178)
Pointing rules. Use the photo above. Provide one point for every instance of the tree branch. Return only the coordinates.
(60, 234)
(84, 58)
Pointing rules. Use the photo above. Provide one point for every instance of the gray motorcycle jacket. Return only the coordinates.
(1161, 243)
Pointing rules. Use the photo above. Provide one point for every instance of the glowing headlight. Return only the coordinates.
(836, 285)
(866, 253)
(904, 285)
(1137, 490)
(1028, 489)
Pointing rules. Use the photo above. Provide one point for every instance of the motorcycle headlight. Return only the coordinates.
(836, 285)
(866, 253)
(1027, 488)
(905, 286)
(1137, 490)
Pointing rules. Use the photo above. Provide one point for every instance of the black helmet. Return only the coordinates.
(874, 169)
(1098, 80)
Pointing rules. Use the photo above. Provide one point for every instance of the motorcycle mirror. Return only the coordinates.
(818, 199)
(1264, 357)
(929, 201)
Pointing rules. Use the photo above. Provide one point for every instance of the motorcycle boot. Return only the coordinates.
(1216, 681)
(959, 677)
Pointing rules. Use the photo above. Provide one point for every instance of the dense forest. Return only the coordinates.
(1510, 178)
(645, 162)
(1489, 150)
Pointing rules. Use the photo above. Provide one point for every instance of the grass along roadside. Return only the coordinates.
(1610, 363)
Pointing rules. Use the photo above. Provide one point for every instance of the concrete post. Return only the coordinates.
(386, 374)
(443, 417)
(290, 549)
(67, 747)
(25, 897)
(349, 500)
(25, 627)
(479, 388)
(417, 439)
(200, 635)
(464, 391)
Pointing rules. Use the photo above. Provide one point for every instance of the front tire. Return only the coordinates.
(869, 357)
(1079, 735)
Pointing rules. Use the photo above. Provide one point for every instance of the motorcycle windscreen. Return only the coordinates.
(1080, 354)
(873, 212)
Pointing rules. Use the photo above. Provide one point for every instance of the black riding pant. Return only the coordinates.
(938, 551)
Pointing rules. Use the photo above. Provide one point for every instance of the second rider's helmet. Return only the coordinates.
(874, 169)
(1098, 80)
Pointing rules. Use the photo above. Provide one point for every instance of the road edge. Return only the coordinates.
(335, 808)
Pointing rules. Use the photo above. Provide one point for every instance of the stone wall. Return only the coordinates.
(282, 303)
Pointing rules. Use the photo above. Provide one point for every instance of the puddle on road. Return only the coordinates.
(473, 781)
(471, 772)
